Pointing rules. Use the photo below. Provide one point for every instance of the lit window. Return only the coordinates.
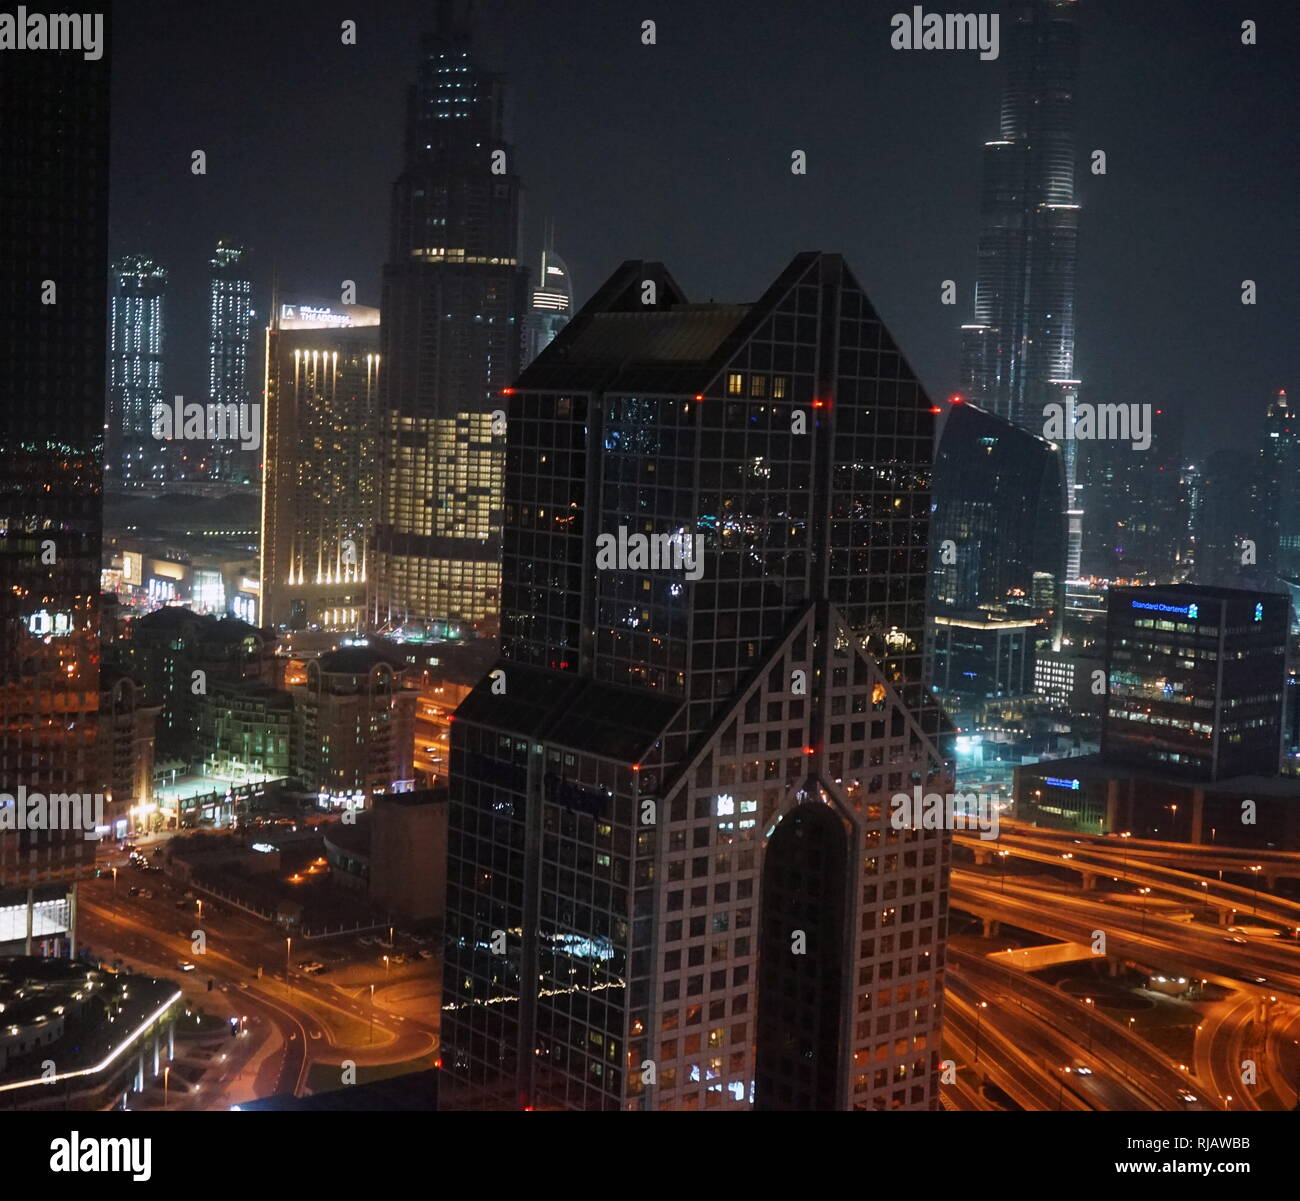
(735, 384)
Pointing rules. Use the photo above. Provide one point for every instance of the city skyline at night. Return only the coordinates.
(732, 557)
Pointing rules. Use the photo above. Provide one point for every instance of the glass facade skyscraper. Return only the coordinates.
(53, 318)
(1018, 351)
(135, 366)
(673, 882)
(453, 305)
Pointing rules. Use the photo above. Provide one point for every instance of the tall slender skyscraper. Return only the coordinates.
(551, 306)
(53, 318)
(1018, 352)
(673, 879)
(135, 363)
(454, 296)
(230, 328)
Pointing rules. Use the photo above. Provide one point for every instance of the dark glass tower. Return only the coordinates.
(53, 350)
(1018, 352)
(454, 297)
(672, 878)
(997, 501)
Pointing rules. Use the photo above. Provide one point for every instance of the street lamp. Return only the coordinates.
(1143, 893)
(1254, 875)
(1003, 856)
(1089, 1001)
(288, 946)
(167, 1072)
(372, 1013)
(979, 1005)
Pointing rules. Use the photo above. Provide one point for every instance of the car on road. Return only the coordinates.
(1081, 1069)
(312, 967)
(1188, 1098)
(425, 954)
(184, 965)
(133, 892)
(145, 893)
(1235, 938)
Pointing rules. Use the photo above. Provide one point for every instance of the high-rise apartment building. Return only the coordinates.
(1018, 351)
(230, 328)
(318, 479)
(673, 880)
(453, 304)
(135, 366)
(53, 318)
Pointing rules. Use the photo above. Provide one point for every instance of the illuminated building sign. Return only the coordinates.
(1057, 782)
(1259, 611)
(1191, 611)
(43, 622)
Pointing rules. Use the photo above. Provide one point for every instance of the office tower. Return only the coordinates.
(1018, 352)
(230, 326)
(454, 297)
(135, 363)
(318, 481)
(1281, 455)
(1195, 680)
(53, 318)
(997, 531)
(551, 306)
(712, 623)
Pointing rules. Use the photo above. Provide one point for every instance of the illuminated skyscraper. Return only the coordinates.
(551, 307)
(454, 296)
(318, 480)
(230, 327)
(53, 322)
(681, 761)
(1018, 351)
(135, 363)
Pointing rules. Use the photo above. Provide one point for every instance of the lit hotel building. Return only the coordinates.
(669, 802)
(318, 477)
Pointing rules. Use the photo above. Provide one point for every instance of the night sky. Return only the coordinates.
(681, 152)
